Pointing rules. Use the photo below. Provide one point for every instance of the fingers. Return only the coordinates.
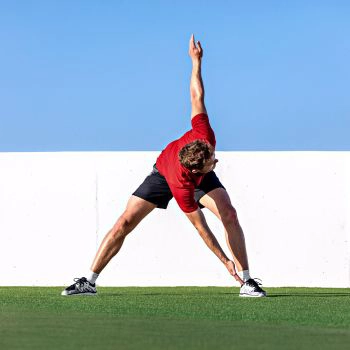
(238, 279)
(233, 272)
(192, 42)
(195, 50)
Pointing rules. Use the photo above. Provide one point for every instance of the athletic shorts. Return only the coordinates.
(155, 189)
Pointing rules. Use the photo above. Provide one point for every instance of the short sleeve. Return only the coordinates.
(201, 128)
(185, 199)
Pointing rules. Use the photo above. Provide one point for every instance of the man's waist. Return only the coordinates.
(155, 170)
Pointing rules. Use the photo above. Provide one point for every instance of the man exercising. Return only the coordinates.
(184, 170)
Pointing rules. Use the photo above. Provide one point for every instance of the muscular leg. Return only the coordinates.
(136, 209)
(218, 202)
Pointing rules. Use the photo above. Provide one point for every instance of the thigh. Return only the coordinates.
(209, 183)
(136, 209)
(217, 201)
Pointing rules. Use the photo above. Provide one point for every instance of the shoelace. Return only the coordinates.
(80, 281)
(258, 281)
(255, 282)
(81, 284)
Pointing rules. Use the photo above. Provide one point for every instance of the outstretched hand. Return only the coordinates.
(232, 270)
(195, 51)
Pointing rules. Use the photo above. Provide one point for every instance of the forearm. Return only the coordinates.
(198, 220)
(196, 85)
(212, 243)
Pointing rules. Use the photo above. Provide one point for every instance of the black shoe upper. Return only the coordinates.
(79, 282)
(254, 284)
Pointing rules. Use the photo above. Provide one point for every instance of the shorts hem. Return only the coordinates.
(159, 206)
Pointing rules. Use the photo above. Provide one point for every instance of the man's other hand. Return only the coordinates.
(232, 270)
(195, 52)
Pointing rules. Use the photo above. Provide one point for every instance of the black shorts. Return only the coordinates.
(155, 189)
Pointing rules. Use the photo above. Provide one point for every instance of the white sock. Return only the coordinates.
(92, 277)
(244, 275)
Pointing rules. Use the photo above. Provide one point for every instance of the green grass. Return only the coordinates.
(174, 318)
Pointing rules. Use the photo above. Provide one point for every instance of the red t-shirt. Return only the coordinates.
(182, 182)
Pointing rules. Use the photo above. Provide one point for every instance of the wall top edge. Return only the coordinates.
(155, 152)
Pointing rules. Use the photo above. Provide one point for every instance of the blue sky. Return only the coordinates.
(114, 75)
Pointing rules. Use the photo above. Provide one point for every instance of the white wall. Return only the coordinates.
(56, 207)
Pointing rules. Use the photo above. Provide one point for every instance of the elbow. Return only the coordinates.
(201, 228)
(198, 227)
(197, 102)
(197, 97)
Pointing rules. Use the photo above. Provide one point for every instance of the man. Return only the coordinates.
(183, 170)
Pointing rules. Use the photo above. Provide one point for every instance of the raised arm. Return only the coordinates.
(196, 85)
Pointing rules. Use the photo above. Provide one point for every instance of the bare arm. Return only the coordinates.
(198, 220)
(196, 85)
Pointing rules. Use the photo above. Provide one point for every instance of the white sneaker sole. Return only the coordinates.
(252, 296)
(64, 293)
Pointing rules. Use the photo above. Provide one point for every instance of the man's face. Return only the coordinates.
(209, 165)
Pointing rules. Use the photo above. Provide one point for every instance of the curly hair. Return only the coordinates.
(195, 154)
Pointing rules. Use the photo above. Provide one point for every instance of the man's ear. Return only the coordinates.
(194, 171)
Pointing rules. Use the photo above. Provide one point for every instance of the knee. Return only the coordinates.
(229, 215)
(122, 227)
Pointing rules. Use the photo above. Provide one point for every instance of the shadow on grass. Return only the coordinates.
(311, 294)
(233, 293)
(184, 294)
(270, 295)
(151, 294)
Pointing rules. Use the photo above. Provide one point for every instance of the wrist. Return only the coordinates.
(225, 260)
(196, 60)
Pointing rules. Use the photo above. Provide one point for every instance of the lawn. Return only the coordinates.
(174, 318)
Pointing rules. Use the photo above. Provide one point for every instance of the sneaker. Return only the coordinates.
(251, 288)
(81, 287)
